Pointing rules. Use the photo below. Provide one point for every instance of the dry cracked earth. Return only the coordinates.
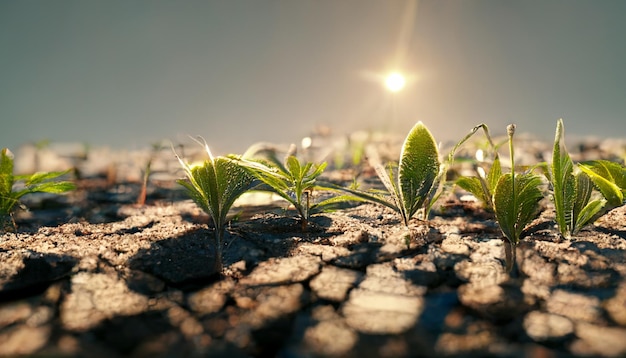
(92, 274)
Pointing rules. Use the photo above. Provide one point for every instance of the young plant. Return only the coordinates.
(214, 186)
(295, 182)
(572, 190)
(39, 182)
(515, 200)
(420, 175)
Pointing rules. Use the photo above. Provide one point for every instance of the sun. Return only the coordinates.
(395, 82)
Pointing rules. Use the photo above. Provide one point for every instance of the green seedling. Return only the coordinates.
(515, 201)
(420, 175)
(417, 175)
(295, 182)
(572, 189)
(40, 182)
(215, 185)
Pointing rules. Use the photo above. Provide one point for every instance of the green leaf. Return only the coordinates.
(475, 186)
(53, 187)
(376, 197)
(40, 177)
(294, 169)
(573, 187)
(564, 185)
(516, 203)
(333, 203)
(588, 214)
(609, 178)
(38, 182)
(583, 211)
(418, 169)
(6, 173)
(215, 185)
(293, 182)
(495, 172)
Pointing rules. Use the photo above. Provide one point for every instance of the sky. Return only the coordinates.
(129, 73)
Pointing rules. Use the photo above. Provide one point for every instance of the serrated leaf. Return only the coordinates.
(418, 169)
(516, 203)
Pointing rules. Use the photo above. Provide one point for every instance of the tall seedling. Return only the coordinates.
(214, 186)
(515, 200)
(572, 190)
(417, 174)
(420, 175)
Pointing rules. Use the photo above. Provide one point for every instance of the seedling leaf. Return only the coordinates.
(418, 169)
(214, 186)
(564, 185)
(609, 178)
(293, 181)
(516, 203)
(475, 186)
(39, 182)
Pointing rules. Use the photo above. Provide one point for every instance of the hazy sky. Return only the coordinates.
(130, 72)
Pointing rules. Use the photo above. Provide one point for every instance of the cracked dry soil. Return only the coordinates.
(94, 275)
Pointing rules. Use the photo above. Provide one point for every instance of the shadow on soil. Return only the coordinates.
(38, 273)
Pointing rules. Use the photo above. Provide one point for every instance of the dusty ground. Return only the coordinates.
(92, 274)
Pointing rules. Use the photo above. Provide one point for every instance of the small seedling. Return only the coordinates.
(515, 200)
(40, 182)
(295, 182)
(214, 186)
(141, 198)
(572, 190)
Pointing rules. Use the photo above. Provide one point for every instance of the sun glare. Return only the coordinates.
(395, 82)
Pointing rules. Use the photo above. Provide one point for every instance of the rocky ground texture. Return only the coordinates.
(93, 274)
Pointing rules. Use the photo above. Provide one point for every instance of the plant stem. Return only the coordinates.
(510, 255)
(305, 212)
(219, 244)
(510, 130)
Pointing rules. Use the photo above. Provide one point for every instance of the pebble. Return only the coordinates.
(575, 306)
(333, 283)
(542, 326)
(284, 270)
